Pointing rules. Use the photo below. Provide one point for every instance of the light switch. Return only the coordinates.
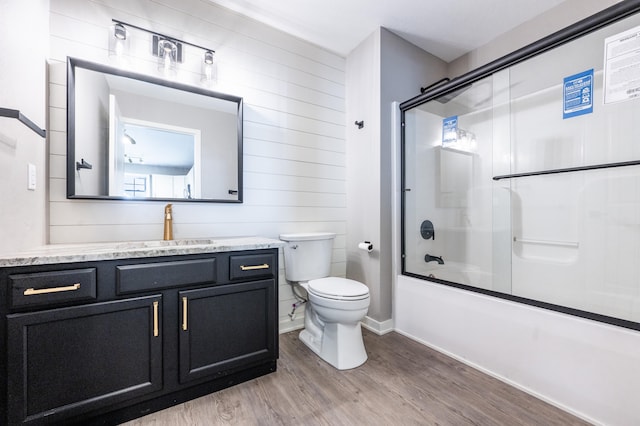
(31, 182)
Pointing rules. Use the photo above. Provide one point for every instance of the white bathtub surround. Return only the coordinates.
(585, 367)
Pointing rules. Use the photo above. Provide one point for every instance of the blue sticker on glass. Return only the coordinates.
(449, 130)
(578, 94)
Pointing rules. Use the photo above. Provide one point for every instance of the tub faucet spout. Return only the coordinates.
(428, 258)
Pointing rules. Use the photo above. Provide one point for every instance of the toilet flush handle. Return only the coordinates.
(294, 246)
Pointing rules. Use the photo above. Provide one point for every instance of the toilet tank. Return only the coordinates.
(307, 256)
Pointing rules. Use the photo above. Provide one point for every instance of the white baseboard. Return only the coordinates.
(378, 327)
(287, 325)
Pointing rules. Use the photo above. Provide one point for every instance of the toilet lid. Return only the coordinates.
(338, 288)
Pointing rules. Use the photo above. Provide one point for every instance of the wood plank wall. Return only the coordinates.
(294, 128)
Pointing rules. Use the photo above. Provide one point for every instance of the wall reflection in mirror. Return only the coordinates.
(150, 139)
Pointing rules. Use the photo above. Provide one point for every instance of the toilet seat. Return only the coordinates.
(337, 288)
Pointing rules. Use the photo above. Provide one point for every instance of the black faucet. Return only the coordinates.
(428, 258)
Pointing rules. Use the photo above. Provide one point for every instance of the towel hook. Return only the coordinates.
(83, 165)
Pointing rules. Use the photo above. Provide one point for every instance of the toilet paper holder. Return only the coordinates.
(366, 246)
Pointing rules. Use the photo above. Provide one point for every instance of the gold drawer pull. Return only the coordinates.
(254, 267)
(184, 313)
(33, 291)
(155, 318)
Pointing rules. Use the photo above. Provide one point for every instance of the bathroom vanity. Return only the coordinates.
(103, 333)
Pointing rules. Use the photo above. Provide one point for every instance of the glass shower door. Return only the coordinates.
(525, 184)
(449, 196)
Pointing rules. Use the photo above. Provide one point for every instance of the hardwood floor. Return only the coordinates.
(402, 383)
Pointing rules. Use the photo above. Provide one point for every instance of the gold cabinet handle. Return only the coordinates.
(155, 318)
(33, 291)
(254, 267)
(184, 313)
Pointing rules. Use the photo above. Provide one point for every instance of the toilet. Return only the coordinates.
(335, 305)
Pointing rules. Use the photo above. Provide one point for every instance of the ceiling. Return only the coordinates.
(445, 28)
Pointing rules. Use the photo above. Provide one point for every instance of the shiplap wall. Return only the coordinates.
(294, 128)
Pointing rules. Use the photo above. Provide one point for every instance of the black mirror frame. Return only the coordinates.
(73, 63)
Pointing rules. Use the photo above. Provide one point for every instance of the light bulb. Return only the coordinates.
(208, 68)
(167, 56)
(118, 40)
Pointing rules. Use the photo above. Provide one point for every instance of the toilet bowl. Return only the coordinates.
(332, 322)
(335, 305)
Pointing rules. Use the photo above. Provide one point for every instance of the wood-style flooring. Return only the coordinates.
(402, 383)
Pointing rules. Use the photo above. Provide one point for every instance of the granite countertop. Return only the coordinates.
(68, 253)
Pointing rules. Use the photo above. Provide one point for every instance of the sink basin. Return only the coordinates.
(130, 245)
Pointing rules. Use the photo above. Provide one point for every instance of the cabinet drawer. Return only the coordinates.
(52, 287)
(159, 275)
(251, 266)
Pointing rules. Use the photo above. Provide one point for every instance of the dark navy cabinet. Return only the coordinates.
(67, 361)
(225, 327)
(107, 341)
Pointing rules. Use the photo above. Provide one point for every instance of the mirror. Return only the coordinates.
(137, 137)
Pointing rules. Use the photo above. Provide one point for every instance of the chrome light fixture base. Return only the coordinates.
(160, 53)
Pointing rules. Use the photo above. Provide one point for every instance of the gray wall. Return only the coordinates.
(219, 160)
(92, 133)
(565, 14)
(382, 69)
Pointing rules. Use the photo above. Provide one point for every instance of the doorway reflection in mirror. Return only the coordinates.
(154, 160)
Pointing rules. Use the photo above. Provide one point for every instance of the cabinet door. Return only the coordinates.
(226, 327)
(68, 361)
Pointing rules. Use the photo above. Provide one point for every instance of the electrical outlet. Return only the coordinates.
(31, 181)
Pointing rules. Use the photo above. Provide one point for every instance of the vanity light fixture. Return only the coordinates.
(208, 57)
(168, 54)
(119, 32)
(119, 41)
(170, 51)
(208, 68)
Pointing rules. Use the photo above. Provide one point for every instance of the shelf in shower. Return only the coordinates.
(569, 169)
(546, 242)
(560, 253)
